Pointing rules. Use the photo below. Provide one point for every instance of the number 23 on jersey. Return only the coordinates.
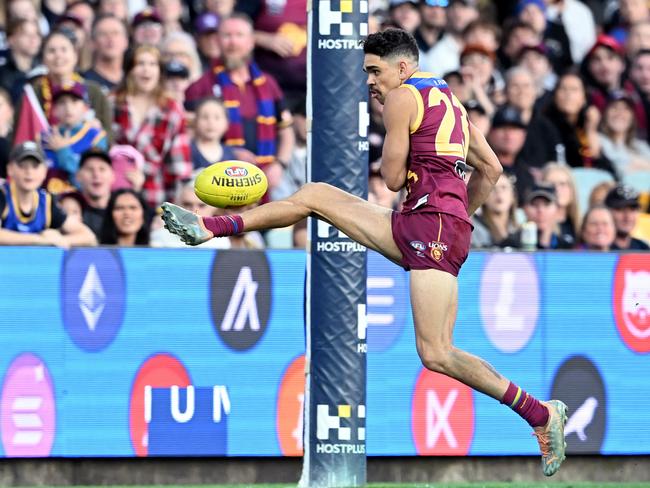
(453, 124)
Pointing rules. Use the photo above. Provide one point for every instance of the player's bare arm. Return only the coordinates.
(487, 169)
(399, 110)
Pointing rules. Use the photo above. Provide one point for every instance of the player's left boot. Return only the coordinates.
(189, 226)
(551, 437)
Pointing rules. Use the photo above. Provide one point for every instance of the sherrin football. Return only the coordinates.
(230, 184)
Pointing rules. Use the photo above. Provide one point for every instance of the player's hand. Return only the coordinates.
(52, 237)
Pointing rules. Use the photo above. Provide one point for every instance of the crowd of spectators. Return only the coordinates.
(110, 107)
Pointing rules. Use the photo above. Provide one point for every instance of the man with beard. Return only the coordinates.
(259, 119)
(623, 201)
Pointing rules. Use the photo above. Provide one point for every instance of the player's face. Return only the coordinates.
(383, 75)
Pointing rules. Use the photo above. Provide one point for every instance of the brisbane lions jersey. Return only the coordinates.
(439, 143)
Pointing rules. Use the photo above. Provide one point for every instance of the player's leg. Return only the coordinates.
(434, 321)
(364, 222)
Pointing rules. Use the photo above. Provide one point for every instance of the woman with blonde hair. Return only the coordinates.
(180, 46)
(497, 218)
(568, 217)
(150, 120)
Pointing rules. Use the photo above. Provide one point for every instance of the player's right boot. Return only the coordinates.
(551, 437)
(189, 226)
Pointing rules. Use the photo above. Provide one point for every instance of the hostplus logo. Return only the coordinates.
(330, 239)
(339, 19)
(343, 432)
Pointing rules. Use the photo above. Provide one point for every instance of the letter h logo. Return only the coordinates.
(328, 17)
(326, 422)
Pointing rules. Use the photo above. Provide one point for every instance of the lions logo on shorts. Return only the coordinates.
(437, 250)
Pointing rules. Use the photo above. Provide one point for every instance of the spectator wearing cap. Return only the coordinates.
(485, 83)
(28, 213)
(534, 58)
(618, 139)
(147, 27)
(623, 201)
(405, 14)
(148, 119)
(281, 42)
(542, 139)
(24, 41)
(75, 133)
(60, 59)
(74, 24)
(433, 19)
(552, 34)
(507, 136)
(630, 13)
(176, 79)
(206, 27)
(110, 40)
(598, 230)
(444, 57)
(259, 119)
(172, 15)
(578, 22)
(604, 69)
(577, 123)
(180, 47)
(540, 208)
(95, 177)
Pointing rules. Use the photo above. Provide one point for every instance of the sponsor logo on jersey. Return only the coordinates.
(579, 384)
(438, 250)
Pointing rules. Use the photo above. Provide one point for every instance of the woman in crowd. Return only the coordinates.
(148, 119)
(60, 58)
(568, 212)
(628, 153)
(598, 230)
(497, 219)
(577, 123)
(210, 124)
(126, 222)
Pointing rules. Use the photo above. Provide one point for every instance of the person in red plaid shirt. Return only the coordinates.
(148, 119)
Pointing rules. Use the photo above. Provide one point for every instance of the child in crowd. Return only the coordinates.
(76, 133)
(28, 214)
(210, 124)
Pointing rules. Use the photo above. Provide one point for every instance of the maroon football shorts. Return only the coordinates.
(431, 240)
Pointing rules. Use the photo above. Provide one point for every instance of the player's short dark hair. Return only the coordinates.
(391, 42)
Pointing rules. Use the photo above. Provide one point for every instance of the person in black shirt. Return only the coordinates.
(623, 201)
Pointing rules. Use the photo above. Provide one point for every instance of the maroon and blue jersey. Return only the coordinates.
(438, 147)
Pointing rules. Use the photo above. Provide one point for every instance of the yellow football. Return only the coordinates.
(230, 184)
